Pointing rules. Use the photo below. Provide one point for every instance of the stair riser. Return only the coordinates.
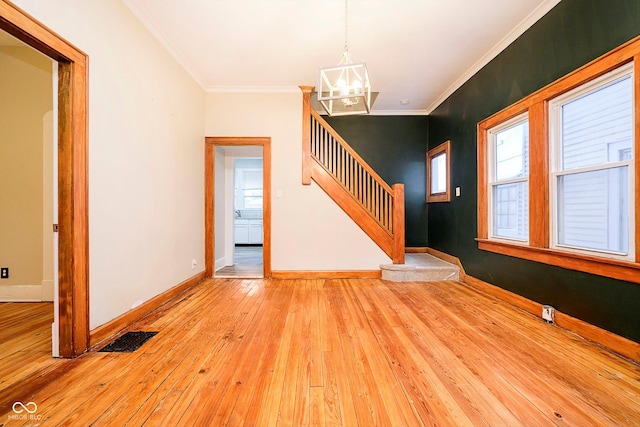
(419, 276)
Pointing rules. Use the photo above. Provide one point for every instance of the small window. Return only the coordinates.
(438, 173)
(509, 179)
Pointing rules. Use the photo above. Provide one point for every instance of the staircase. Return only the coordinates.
(375, 206)
(327, 159)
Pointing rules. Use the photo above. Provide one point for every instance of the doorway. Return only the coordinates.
(26, 172)
(238, 207)
(27, 158)
(238, 228)
(73, 234)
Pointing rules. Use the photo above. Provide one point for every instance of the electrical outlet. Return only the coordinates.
(548, 313)
(4, 273)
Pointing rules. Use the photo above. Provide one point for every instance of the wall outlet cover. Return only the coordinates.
(4, 273)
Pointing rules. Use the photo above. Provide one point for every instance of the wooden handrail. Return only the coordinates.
(351, 151)
(375, 206)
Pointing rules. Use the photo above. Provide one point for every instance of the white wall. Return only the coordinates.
(146, 155)
(220, 210)
(309, 231)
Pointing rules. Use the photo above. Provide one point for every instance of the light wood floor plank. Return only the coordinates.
(451, 320)
(322, 353)
(462, 319)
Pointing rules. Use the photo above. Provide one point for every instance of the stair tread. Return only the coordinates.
(419, 261)
(420, 267)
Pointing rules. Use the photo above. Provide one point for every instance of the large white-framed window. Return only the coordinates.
(583, 171)
(508, 183)
(591, 146)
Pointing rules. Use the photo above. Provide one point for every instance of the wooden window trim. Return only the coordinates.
(445, 148)
(536, 105)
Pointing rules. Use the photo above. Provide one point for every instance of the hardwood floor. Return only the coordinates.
(248, 263)
(25, 342)
(336, 353)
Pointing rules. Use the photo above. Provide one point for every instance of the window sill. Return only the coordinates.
(615, 269)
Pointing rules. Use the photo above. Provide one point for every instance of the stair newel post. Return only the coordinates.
(398, 224)
(306, 134)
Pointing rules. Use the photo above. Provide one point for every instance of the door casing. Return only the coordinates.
(211, 142)
(73, 235)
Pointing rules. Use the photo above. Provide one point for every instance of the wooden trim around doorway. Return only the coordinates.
(73, 238)
(209, 210)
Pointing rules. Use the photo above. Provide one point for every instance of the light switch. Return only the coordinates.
(457, 191)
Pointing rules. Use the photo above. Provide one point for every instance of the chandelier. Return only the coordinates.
(345, 89)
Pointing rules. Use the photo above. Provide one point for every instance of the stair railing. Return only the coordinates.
(383, 204)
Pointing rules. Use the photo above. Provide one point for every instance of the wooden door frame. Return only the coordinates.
(73, 235)
(211, 142)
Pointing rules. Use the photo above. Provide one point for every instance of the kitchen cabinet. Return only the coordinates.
(255, 231)
(248, 231)
(241, 234)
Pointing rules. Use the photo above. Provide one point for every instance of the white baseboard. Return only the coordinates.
(48, 292)
(21, 293)
(221, 262)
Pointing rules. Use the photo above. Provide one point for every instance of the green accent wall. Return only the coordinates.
(570, 35)
(395, 147)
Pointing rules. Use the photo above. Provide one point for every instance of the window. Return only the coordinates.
(438, 171)
(591, 145)
(558, 171)
(508, 181)
(248, 191)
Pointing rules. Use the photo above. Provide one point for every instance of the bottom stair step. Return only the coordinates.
(420, 268)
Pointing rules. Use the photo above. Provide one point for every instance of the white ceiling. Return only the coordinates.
(415, 50)
(418, 50)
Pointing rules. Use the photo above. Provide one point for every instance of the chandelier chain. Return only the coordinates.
(346, 26)
(345, 89)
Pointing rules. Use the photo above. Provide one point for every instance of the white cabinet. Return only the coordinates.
(241, 231)
(255, 231)
(248, 231)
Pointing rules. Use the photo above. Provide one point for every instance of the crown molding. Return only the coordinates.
(523, 26)
(253, 89)
(152, 27)
(398, 113)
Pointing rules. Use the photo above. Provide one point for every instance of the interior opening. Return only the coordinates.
(239, 211)
(28, 196)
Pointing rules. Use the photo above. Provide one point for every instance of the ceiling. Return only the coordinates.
(418, 51)
(415, 50)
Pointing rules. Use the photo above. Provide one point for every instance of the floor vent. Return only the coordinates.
(128, 343)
